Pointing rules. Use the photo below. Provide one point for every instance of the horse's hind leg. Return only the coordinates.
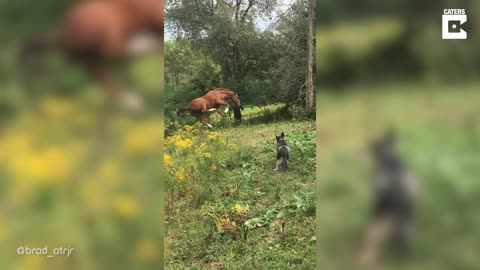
(199, 116)
(111, 87)
(220, 113)
(101, 74)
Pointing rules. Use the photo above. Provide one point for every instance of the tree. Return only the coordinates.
(224, 30)
(290, 70)
(310, 56)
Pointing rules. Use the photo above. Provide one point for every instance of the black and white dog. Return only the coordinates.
(283, 152)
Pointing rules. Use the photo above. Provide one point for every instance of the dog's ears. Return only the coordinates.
(282, 135)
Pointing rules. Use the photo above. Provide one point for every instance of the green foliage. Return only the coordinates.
(20, 19)
(300, 112)
(301, 205)
(345, 49)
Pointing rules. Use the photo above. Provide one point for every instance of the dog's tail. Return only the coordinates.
(31, 52)
(181, 112)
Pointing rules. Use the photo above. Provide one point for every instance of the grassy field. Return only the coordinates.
(226, 206)
(439, 139)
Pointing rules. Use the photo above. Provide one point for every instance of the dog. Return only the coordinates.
(283, 152)
(394, 196)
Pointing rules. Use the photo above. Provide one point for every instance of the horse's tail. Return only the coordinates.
(31, 52)
(180, 112)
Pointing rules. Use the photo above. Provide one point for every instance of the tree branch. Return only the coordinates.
(245, 13)
(228, 4)
(237, 11)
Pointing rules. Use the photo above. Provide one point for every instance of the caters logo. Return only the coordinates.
(453, 21)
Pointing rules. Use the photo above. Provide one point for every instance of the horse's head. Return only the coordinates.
(236, 98)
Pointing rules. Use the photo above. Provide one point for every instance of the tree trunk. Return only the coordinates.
(310, 51)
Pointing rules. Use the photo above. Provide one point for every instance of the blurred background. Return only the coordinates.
(380, 65)
(75, 169)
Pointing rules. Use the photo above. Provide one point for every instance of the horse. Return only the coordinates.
(94, 33)
(210, 102)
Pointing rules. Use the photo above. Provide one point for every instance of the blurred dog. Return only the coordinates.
(283, 152)
(394, 197)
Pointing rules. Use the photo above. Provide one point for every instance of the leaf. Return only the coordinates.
(254, 222)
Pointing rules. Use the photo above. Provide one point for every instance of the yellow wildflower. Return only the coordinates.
(181, 174)
(167, 160)
(16, 142)
(108, 171)
(189, 128)
(46, 166)
(146, 250)
(60, 166)
(213, 168)
(239, 210)
(31, 262)
(207, 155)
(214, 136)
(58, 108)
(184, 144)
(143, 139)
(171, 139)
(93, 194)
(125, 207)
(203, 145)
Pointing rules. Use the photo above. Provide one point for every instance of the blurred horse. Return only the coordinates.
(94, 33)
(210, 102)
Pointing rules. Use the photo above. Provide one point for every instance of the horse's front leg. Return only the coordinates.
(199, 116)
(222, 102)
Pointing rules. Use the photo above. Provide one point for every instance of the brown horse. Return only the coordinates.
(93, 33)
(209, 103)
